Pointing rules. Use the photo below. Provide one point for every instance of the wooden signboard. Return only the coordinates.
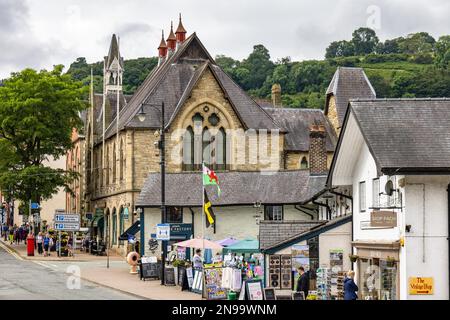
(197, 284)
(182, 279)
(383, 219)
(421, 286)
(169, 276)
(150, 270)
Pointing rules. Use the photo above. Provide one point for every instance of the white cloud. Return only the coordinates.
(42, 33)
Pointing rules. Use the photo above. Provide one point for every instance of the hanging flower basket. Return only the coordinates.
(353, 257)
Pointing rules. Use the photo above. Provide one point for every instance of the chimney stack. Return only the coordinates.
(162, 50)
(317, 149)
(276, 95)
(171, 40)
(180, 33)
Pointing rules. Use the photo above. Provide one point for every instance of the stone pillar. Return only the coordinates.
(317, 149)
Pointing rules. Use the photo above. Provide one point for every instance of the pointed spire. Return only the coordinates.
(181, 32)
(171, 40)
(113, 51)
(162, 49)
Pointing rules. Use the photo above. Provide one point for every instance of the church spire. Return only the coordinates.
(113, 67)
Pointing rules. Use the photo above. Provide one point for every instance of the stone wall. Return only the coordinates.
(332, 114)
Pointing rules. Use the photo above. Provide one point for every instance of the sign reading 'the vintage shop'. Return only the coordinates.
(383, 219)
(418, 285)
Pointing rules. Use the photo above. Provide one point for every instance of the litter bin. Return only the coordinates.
(30, 245)
(232, 295)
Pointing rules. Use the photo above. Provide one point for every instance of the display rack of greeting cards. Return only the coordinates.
(340, 286)
(323, 283)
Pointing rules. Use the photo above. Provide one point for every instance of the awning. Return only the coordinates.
(135, 228)
(244, 246)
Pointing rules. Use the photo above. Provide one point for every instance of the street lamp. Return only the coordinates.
(141, 116)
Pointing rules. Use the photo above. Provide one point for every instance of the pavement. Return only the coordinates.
(94, 270)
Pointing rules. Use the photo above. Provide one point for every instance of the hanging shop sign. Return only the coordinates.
(383, 219)
(163, 231)
(420, 286)
(180, 231)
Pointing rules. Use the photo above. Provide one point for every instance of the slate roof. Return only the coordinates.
(174, 79)
(296, 122)
(274, 232)
(406, 135)
(237, 188)
(348, 83)
(110, 102)
(271, 240)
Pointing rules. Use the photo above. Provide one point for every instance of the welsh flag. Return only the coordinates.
(210, 177)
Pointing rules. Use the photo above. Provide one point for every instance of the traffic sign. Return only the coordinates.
(34, 205)
(67, 226)
(66, 217)
(163, 231)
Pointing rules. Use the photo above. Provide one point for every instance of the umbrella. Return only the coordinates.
(244, 246)
(227, 242)
(199, 243)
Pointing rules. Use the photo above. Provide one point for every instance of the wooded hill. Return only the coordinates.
(413, 66)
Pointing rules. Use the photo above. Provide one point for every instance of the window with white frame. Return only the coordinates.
(376, 193)
(362, 196)
(273, 212)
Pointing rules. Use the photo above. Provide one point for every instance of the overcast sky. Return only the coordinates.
(41, 33)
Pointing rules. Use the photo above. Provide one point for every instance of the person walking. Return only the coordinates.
(39, 240)
(350, 287)
(197, 260)
(11, 234)
(46, 242)
(303, 281)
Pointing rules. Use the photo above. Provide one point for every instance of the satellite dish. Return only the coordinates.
(389, 188)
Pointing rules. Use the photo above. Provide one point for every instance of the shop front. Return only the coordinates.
(378, 267)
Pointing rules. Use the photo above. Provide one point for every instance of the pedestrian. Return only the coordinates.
(350, 287)
(11, 234)
(46, 241)
(197, 260)
(136, 247)
(303, 281)
(39, 240)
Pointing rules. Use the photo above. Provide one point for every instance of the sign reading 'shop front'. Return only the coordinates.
(383, 219)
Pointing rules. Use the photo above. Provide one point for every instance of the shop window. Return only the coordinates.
(274, 213)
(377, 279)
(376, 193)
(362, 196)
(174, 215)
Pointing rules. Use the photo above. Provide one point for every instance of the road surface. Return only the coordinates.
(31, 280)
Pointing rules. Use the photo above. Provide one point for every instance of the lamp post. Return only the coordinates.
(161, 147)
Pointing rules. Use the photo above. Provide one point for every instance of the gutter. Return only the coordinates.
(302, 209)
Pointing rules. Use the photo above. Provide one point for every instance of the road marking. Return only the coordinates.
(11, 252)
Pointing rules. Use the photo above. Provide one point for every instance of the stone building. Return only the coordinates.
(261, 153)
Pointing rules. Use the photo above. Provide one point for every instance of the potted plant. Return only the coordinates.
(390, 261)
(353, 257)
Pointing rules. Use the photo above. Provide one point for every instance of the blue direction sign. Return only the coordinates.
(67, 226)
(34, 205)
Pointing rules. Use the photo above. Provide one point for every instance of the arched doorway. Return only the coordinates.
(101, 228)
(121, 224)
(107, 237)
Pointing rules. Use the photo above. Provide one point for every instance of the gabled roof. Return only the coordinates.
(237, 188)
(315, 230)
(404, 136)
(296, 122)
(348, 83)
(172, 83)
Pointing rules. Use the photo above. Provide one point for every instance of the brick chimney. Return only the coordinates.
(317, 149)
(171, 40)
(180, 33)
(162, 50)
(276, 95)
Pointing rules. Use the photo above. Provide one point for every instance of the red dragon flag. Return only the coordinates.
(210, 177)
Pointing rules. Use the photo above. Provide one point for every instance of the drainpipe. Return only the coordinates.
(188, 252)
(448, 238)
(302, 209)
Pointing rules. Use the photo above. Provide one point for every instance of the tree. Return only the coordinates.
(259, 67)
(389, 46)
(38, 111)
(340, 49)
(442, 48)
(364, 40)
(414, 43)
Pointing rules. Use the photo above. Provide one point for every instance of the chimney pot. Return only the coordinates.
(276, 95)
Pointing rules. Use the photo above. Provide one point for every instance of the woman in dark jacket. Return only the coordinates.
(350, 287)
